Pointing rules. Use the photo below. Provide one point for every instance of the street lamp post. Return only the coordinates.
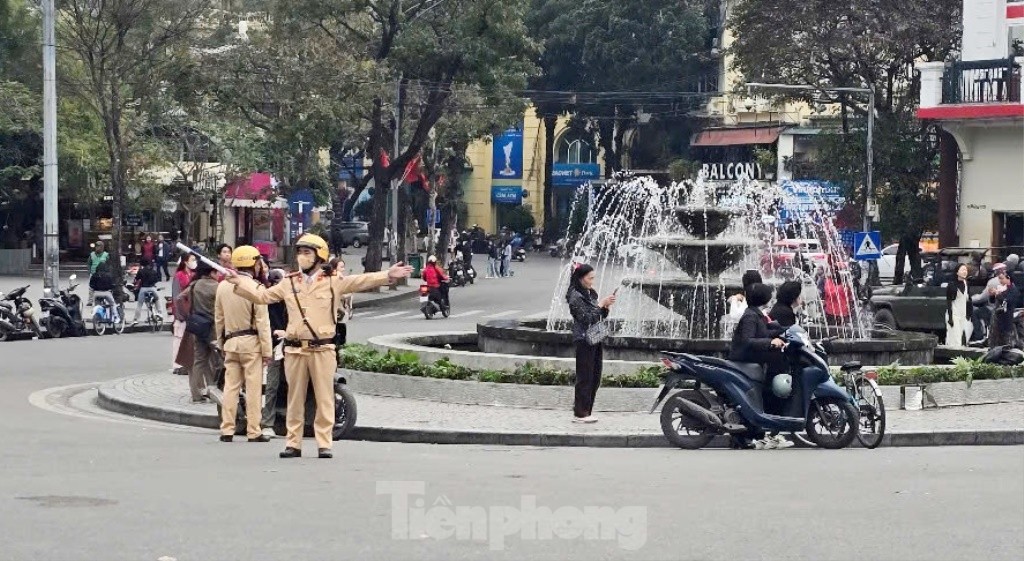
(871, 131)
(51, 228)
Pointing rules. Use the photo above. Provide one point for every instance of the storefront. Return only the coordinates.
(737, 153)
(255, 215)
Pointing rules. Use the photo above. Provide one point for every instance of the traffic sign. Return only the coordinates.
(867, 246)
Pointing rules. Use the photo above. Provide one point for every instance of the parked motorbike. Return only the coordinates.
(457, 273)
(725, 398)
(430, 306)
(557, 249)
(519, 255)
(63, 313)
(17, 317)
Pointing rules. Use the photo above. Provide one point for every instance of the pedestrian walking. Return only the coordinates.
(312, 296)
(182, 278)
(506, 258)
(146, 280)
(206, 360)
(958, 309)
(242, 331)
(163, 255)
(278, 324)
(588, 333)
(147, 251)
(97, 256)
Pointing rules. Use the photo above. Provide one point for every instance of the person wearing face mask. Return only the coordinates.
(182, 278)
(312, 297)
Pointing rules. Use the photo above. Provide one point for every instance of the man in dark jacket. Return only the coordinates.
(275, 371)
(145, 281)
(207, 360)
(1007, 298)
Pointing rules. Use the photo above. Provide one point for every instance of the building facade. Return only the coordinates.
(977, 102)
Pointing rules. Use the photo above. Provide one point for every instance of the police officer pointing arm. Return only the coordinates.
(312, 297)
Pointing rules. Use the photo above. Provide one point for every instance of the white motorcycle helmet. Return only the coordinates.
(782, 386)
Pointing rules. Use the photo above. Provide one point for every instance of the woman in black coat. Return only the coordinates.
(755, 339)
(586, 311)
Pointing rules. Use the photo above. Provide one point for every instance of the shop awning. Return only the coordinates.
(255, 191)
(737, 137)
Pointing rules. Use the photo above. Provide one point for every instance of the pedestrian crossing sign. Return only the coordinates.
(867, 246)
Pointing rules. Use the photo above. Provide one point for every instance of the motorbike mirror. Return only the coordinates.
(73, 277)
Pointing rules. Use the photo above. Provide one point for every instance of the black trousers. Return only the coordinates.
(589, 360)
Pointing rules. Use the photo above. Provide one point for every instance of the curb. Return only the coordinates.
(1011, 437)
(383, 300)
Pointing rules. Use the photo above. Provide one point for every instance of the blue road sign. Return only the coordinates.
(867, 246)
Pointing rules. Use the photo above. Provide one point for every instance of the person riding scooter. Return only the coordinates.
(437, 282)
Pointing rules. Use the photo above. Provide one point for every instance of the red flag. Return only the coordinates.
(385, 161)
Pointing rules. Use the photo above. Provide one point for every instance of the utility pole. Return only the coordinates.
(51, 228)
(396, 178)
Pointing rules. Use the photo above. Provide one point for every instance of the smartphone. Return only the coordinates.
(615, 292)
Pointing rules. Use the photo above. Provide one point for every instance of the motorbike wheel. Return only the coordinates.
(679, 428)
(344, 412)
(154, 322)
(56, 327)
(831, 423)
(446, 311)
(3, 335)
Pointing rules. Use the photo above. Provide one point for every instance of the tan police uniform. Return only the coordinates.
(243, 331)
(309, 352)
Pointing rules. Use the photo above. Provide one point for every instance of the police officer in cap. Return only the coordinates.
(312, 297)
(243, 332)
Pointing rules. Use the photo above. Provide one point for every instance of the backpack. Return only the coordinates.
(197, 323)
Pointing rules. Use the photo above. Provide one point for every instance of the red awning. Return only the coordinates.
(255, 191)
(736, 137)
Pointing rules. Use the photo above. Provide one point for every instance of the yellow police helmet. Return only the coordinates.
(244, 257)
(316, 243)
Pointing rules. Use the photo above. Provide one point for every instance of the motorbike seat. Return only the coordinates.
(751, 370)
(852, 365)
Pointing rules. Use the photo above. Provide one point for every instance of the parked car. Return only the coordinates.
(355, 234)
(781, 254)
(887, 264)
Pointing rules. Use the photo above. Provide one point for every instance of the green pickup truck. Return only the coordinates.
(912, 307)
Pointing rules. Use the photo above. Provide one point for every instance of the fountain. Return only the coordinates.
(678, 253)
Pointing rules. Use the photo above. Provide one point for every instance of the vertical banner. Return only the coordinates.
(508, 155)
(300, 207)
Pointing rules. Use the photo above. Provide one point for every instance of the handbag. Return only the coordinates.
(596, 333)
(197, 323)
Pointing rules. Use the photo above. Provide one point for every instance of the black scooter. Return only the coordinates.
(63, 313)
(17, 319)
(725, 398)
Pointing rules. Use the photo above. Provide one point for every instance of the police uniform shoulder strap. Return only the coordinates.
(302, 312)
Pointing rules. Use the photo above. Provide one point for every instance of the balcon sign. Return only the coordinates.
(732, 171)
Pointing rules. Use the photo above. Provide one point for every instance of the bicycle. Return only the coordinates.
(153, 317)
(108, 314)
(863, 386)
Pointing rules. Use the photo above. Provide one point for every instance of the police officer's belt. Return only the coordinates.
(240, 333)
(305, 343)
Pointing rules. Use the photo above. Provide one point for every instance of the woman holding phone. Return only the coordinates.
(588, 332)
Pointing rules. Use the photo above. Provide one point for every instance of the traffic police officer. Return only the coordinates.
(243, 332)
(312, 297)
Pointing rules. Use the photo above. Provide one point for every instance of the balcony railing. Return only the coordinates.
(982, 81)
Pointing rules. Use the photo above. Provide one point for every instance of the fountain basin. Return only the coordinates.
(704, 222)
(530, 338)
(701, 258)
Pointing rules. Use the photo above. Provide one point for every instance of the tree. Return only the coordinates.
(123, 49)
(602, 50)
(425, 49)
(863, 44)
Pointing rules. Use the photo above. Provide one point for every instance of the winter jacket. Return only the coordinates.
(585, 313)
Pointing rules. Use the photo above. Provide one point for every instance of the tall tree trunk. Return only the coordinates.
(402, 200)
(382, 184)
(550, 200)
(453, 194)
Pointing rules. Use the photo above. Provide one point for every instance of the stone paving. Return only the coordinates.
(170, 392)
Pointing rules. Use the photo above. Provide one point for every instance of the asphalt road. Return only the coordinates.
(82, 484)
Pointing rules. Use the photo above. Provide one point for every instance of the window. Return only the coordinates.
(574, 148)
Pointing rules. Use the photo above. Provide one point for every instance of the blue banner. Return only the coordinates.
(803, 197)
(574, 175)
(507, 195)
(508, 155)
(300, 211)
(437, 217)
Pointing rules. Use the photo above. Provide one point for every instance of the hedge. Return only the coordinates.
(361, 357)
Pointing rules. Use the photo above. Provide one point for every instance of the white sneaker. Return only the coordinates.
(781, 443)
(269, 433)
(766, 443)
(584, 420)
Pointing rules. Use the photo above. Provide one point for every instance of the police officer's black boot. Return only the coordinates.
(325, 453)
(226, 438)
(291, 453)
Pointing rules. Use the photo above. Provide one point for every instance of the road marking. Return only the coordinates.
(383, 316)
(466, 314)
(503, 314)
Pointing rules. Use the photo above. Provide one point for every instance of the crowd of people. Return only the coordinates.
(237, 319)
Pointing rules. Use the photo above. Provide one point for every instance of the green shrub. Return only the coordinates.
(361, 357)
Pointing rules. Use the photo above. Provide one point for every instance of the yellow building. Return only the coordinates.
(508, 170)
